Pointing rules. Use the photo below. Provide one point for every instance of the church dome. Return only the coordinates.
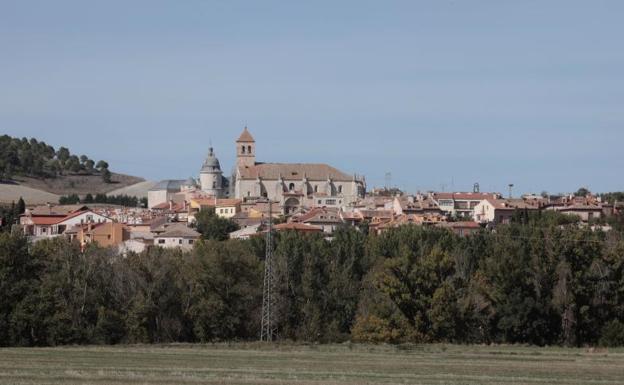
(211, 163)
(190, 182)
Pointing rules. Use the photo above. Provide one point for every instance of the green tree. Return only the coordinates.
(106, 175)
(21, 207)
(101, 165)
(211, 226)
(63, 154)
(226, 291)
(89, 165)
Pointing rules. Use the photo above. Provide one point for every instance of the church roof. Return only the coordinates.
(171, 185)
(245, 136)
(294, 171)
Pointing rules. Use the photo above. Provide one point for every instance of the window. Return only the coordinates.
(340, 189)
(242, 149)
(191, 241)
(108, 236)
(249, 149)
(291, 187)
(214, 184)
(320, 201)
(161, 241)
(316, 188)
(330, 202)
(179, 241)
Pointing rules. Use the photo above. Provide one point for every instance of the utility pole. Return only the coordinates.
(268, 331)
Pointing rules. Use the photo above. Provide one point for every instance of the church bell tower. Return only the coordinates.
(245, 150)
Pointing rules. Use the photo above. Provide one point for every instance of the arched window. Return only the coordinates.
(291, 187)
(249, 149)
(340, 189)
(242, 149)
(214, 184)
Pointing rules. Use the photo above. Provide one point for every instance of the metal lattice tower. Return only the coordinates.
(268, 330)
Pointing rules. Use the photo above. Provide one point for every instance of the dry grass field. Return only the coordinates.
(311, 364)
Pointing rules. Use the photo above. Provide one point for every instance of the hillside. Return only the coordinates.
(40, 173)
(42, 190)
(78, 184)
(13, 192)
(138, 190)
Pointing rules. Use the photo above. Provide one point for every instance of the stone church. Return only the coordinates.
(291, 185)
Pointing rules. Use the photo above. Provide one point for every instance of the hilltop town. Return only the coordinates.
(302, 197)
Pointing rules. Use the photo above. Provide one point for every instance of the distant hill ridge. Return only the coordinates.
(40, 173)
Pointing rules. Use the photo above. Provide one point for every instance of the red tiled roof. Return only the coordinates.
(54, 219)
(316, 213)
(176, 207)
(376, 213)
(46, 220)
(74, 214)
(347, 215)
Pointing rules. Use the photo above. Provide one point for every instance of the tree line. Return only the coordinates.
(29, 157)
(9, 214)
(533, 282)
(120, 199)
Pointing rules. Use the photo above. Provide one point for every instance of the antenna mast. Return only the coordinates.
(267, 332)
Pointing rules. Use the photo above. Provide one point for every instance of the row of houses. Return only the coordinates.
(169, 224)
(462, 213)
(87, 225)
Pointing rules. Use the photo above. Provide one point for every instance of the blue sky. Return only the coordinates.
(440, 93)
